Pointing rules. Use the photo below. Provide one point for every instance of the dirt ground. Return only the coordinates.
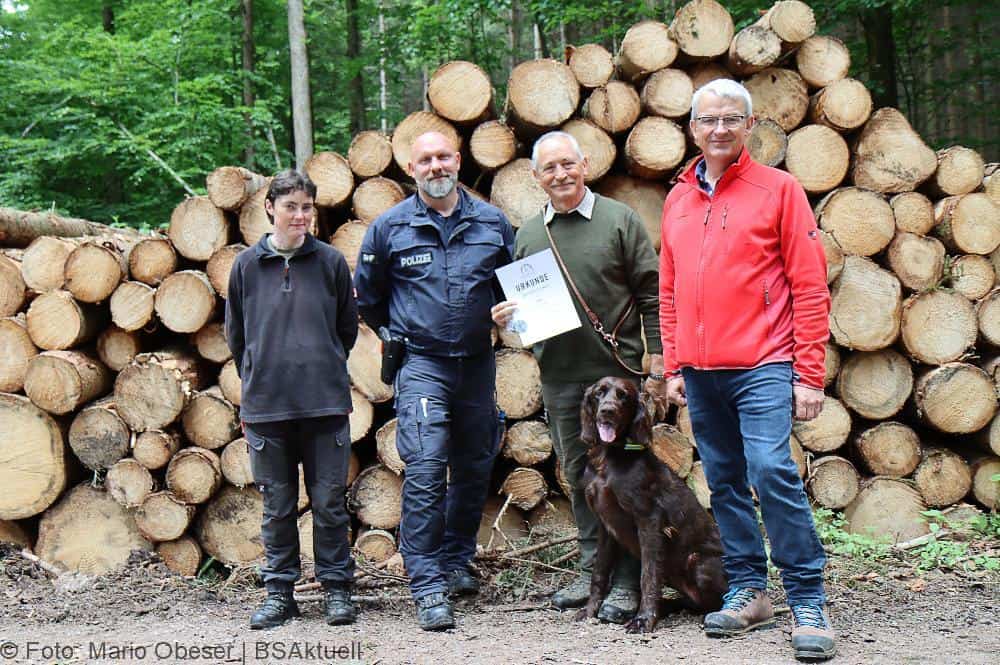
(146, 615)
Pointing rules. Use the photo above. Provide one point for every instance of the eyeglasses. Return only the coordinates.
(728, 121)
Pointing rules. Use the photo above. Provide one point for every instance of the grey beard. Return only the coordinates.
(438, 188)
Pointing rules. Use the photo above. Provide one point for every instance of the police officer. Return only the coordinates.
(426, 272)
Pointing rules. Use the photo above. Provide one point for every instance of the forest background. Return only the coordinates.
(90, 88)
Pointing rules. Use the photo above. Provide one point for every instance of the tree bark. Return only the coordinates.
(248, 70)
(877, 22)
(355, 85)
(301, 97)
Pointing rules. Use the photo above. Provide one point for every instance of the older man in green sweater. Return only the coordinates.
(609, 257)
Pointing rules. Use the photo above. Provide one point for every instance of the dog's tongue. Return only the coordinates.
(606, 431)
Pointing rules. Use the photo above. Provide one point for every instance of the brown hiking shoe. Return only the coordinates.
(742, 610)
(812, 634)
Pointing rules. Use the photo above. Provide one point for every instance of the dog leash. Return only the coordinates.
(609, 338)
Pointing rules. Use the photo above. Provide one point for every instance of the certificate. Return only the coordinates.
(544, 304)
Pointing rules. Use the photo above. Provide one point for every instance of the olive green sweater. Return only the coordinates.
(611, 260)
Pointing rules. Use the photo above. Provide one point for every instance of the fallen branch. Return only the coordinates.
(157, 159)
(44, 565)
(538, 546)
(542, 564)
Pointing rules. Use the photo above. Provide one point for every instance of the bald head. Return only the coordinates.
(434, 164)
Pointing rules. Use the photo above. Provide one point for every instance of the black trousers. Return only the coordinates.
(323, 446)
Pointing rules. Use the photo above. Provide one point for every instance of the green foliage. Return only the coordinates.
(830, 527)
(940, 552)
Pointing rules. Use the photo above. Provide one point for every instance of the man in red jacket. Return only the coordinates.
(744, 312)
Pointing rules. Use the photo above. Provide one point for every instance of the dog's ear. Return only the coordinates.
(588, 426)
(641, 430)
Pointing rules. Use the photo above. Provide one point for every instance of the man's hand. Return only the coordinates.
(676, 392)
(502, 312)
(808, 402)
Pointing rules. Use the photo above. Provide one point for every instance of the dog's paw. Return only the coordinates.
(585, 612)
(641, 624)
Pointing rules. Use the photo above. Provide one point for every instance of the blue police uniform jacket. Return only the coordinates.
(434, 291)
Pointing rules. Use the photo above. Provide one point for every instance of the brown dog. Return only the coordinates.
(644, 507)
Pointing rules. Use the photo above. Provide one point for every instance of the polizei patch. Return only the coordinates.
(415, 260)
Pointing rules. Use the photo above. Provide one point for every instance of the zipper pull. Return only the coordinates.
(708, 213)
(767, 295)
(725, 212)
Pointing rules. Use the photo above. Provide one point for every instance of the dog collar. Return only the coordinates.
(632, 445)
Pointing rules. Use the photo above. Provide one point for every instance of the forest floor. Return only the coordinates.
(886, 610)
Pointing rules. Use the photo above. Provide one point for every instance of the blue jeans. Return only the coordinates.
(447, 423)
(742, 420)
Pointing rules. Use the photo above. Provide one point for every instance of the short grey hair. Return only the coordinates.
(554, 135)
(726, 88)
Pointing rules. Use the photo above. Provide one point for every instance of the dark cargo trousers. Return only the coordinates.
(323, 446)
(562, 402)
(447, 428)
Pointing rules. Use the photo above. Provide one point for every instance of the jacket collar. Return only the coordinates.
(262, 250)
(585, 207)
(737, 168)
(465, 207)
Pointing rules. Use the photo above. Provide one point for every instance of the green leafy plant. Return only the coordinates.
(830, 528)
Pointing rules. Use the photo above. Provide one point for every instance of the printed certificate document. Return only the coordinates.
(544, 304)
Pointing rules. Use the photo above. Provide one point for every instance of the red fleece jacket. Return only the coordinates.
(743, 274)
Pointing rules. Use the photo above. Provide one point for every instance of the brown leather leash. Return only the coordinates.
(610, 338)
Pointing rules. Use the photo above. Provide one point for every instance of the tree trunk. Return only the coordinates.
(843, 105)
(780, 95)
(153, 449)
(19, 228)
(699, 485)
(768, 142)
(753, 48)
(235, 463)
(43, 263)
(209, 420)
(876, 384)
(968, 224)
(198, 228)
(248, 70)
(333, 177)
(376, 497)
(153, 390)
(942, 477)
(702, 29)
(194, 474)
(219, 267)
(938, 326)
(116, 347)
(364, 365)
(833, 482)
(88, 532)
(228, 527)
(859, 220)
(61, 381)
(56, 321)
(972, 276)
(889, 449)
(791, 20)
(645, 197)
(129, 483)
(414, 125)
(528, 442)
(385, 447)
(887, 507)
(229, 382)
(828, 431)
(673, 448)
(552, 518)
(889, 156)
(592, 65)
(818, 158)
(301, 96)
(492, 145)
(597, 147)
(519, 384)
(182, 556)
(511, 526)
(960, 171)
(362, 416)
(210, 342)
(98, 436)
(370, 154)
(913, 211)
(371, 198)
(461, 93)
(151, 260)
(984, 469)
(517, 193)
(230, 186)
(185, 301)
(668, 93)
(525, 487)
(541, 95)
(918, 261)
(163, 517)
(348, 236)
(654, 148)
(881, 49)
(355, 84)
(33, 469)
(613, 107)
(253, 218)
(131, 305)
(16, 351)
(956, 398)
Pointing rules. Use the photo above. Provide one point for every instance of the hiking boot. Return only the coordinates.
(620, 605)
(339, 609)
(462, 583)
(278, 608)
(742, 610)
(434, 612)
(575, 594)
(812, 634)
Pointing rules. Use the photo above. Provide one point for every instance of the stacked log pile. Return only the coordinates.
(120, 402)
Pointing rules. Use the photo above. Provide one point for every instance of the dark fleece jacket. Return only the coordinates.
(290, 329)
